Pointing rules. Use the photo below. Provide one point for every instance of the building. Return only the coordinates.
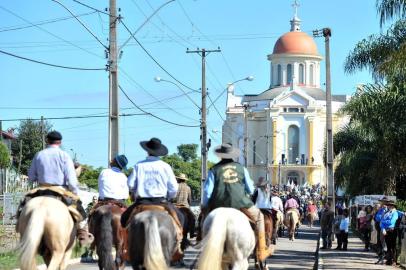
(283, 129)
(7, 138)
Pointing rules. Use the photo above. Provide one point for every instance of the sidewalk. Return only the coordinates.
(353, 258)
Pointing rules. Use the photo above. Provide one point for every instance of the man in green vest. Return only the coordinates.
(228, 184)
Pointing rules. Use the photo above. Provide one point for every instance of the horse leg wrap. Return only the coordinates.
(263, 251)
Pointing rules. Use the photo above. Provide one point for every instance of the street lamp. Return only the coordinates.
(159, 79)
(230, 87)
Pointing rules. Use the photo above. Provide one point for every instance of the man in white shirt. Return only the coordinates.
(113, 182)
(277, 213)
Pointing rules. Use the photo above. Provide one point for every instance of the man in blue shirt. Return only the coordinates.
(388, 223)
(377, 218)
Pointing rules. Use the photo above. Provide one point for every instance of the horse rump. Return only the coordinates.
(103, 233)
(151, 240)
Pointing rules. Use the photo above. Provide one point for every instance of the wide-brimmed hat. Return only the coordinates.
(154, 147)
(390, 202)
(226, 151)
(384, 199)
(262, 182)
(182, 176)
(121, 161)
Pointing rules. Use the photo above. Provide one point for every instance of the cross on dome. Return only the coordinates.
(296, 5)
(295, 22)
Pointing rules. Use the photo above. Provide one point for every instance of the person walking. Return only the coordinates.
(228, 184)
(336, 228)
(344, 224)
(388, 223)
(366, 227)
(326, 224)
(381, 245)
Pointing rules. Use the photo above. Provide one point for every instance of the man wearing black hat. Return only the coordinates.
(113, 182)
(54, 168)
(152, 181)
(228, 184)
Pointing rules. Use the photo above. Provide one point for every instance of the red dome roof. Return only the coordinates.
(296, 43)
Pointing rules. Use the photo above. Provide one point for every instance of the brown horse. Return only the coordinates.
(269, 226)
(46, 226)
(188, 221)
(104, 224)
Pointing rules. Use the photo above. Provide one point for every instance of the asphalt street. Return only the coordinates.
(298, 254)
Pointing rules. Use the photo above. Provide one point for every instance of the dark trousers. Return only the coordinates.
(326, 236)
(344, 239)
(390, 239)
(366, 235)
(339, 241)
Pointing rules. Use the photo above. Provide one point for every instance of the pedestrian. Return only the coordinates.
(344, 224)
(326, 224)
(336, 228)
(366, 227)
(229, 184)
(381, 245)
(388, 223)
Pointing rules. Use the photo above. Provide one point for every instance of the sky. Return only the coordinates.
(246, 32)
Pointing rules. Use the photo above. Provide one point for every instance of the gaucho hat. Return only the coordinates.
(154, 147)
(54, 136)
(182, 177)
(121, 161)
(226, 151)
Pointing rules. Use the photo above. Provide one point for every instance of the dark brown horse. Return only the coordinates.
(104, 224)
(188, 221)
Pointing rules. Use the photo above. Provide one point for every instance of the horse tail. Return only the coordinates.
(104, 238)
(213, 244)
(153, 254)
(32, 238)
(292, 222)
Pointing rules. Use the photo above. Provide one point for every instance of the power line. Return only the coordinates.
(14, 28)
(95, 9)
(87, 29)
(69, 117)
(49, 64)
(50, 33)
(153, 59)
(148, 113)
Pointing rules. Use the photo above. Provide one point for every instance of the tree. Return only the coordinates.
(89, 176)
(187, 152)
(29, 132)
(4, 156)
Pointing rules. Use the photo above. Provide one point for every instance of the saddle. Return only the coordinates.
(121, 205)
(71, 200)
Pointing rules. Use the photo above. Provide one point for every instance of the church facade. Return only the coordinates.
(282, 131)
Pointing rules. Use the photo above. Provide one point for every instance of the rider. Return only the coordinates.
(227, 185)
(183, 199)
(152, 182)
(53, 167)
(277, 210)
(113, 182)
(291, 204)
(261, 198)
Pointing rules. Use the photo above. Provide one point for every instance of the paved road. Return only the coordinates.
(298, 254)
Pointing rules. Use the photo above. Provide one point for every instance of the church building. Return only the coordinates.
(282, 131)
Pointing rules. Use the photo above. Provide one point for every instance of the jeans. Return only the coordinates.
(326, 236)
(366, 235)
(344, 239)
(390, 239)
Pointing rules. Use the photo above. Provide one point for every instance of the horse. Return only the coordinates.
(47, 227)
(104, 224)
(188, 221)
(291, 222)
(151, 240)
(311, 217)
(228, 240)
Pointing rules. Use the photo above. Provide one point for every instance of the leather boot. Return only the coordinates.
(263, 251)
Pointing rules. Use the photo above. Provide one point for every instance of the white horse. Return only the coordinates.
(46, 227)
(228, 241)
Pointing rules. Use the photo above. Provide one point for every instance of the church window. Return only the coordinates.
(293, 144)
(289, 74)
(279, 75)
(293, 109)
(311, 74)
(301, 74)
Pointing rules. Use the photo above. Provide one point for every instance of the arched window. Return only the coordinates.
(279, 75)
(311, 75)
(289, 75)
(301, 74)
(293, 144)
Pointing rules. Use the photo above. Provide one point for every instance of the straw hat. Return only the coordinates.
(182, 177)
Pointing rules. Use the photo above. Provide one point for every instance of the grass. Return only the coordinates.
(9, 260)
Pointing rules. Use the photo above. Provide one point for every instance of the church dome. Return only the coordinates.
(296, 42)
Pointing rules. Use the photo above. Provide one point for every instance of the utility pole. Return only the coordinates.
(203, 124)
(245, 106)
(326, 32)
(113, 84)
(42, 132)
(1, 131)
